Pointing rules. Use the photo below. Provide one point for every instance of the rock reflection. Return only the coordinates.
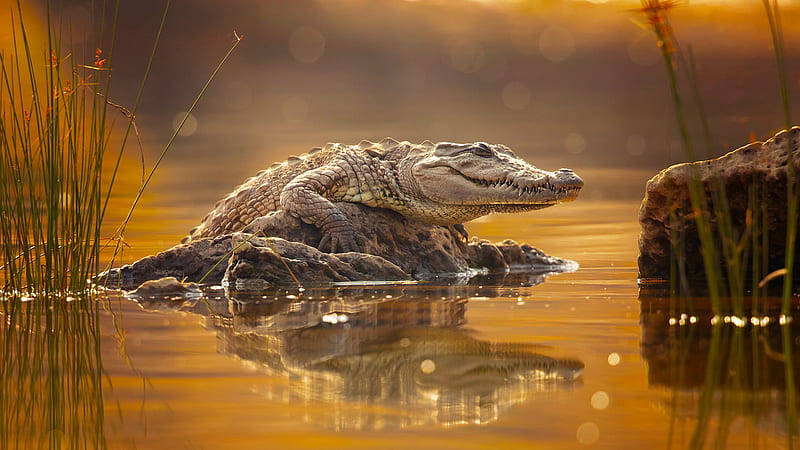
(380, 357)
(719, 374)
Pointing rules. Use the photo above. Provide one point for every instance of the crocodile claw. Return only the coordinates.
(459, 228)
(340, 242)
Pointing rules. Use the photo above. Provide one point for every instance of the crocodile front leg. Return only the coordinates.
(309, 197)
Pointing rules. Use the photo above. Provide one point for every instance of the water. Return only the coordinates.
(577, 359)
(564, 361)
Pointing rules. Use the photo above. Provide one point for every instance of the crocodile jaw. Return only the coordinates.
(496, 181)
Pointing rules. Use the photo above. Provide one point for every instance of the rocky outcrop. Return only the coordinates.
(394, 248)
(751, 175)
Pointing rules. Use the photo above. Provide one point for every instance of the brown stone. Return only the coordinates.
(258, 263)
(758, 166)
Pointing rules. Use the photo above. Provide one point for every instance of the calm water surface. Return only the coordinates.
(555, 363)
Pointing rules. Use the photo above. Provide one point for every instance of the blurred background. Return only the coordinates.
(576, 84)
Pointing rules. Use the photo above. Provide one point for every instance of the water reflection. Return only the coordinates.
(729, 377)
(380, 357)
(51, 385)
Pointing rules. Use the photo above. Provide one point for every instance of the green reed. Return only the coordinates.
(656, 13)
(57, 142)
(54, 134)
(736, 246)
(776, 32)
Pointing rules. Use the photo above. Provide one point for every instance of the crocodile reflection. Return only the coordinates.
(383, 358)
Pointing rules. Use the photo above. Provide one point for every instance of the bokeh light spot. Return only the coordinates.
(238, 95)
(574, 143)
(516, 95)
(614, 359)
(79, 20)
(306, 44)
(467, 57)
(556, 43)
(189, 127)
(427, 366)
(588, 433)
(295, 109)
(600, 400)
(643, 51)
(525, 41)
(635, 145)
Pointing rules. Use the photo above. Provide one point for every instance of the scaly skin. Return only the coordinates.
(438, 184)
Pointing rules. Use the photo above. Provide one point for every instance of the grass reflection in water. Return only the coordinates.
(725, 373)
(51, 384)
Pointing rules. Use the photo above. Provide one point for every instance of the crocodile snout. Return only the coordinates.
(567, 179)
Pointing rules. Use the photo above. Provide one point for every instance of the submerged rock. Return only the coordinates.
(166, 287)
(759, 168)
(394, 248)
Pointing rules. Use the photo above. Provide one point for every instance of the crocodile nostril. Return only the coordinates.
(565, 170)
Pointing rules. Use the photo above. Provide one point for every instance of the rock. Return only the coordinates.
(186, 261)
(258, 263)
(415, 247)
(166, 287)
(395, 248)
(759, 166)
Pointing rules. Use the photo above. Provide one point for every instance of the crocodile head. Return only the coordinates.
(482, 174)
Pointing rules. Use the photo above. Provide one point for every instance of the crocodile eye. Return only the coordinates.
(482, 150)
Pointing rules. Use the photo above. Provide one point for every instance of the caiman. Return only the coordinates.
(437, 184)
